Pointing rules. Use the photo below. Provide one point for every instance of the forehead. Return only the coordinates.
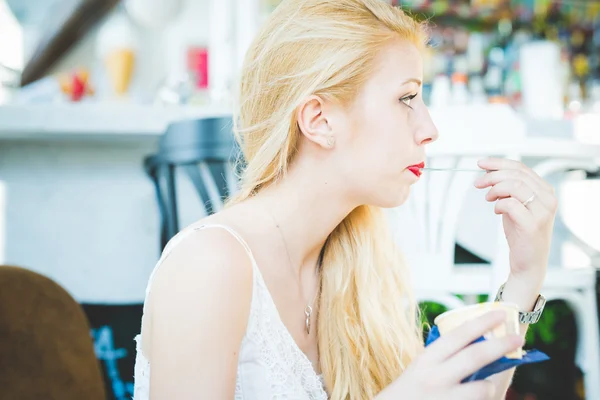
(398, 62)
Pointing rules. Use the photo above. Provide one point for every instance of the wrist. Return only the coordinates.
(527, 314)
(522, 291)
(527, 281)
(531, 274)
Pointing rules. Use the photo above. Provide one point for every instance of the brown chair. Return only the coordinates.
(46, 351)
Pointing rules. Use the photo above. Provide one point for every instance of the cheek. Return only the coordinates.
(382, 128)
(372, 143)
(380, 156)
(393, 145)
(379, 141)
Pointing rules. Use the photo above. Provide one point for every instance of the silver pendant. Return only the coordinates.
(308, 312)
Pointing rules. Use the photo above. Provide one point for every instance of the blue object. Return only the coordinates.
(502, 364)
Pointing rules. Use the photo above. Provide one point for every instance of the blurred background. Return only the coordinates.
(115, 132)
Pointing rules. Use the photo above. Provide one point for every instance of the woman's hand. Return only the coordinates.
(438, 371)
(528, 207)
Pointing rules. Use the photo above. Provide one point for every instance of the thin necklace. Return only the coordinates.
(308, 309)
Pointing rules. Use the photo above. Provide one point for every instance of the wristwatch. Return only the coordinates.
(527, 317)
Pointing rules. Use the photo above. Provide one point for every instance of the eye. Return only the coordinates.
(407, 99)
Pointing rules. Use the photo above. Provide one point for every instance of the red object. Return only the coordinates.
(75, 85)
(197, 60)
(78, 88)
(416, 169)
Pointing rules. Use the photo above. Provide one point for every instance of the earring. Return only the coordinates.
(330, 141)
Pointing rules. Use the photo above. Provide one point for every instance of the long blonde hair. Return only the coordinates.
(368, 329)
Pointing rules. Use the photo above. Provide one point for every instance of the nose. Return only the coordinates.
(426, 131)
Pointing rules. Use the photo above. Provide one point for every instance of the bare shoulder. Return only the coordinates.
(206, 279)
(207, 258)
(198, 309)
(207, 265)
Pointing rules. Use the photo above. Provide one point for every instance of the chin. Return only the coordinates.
(392, 199)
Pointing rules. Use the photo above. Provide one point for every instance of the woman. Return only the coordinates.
(296, 291)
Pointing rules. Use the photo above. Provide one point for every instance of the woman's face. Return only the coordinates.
(385, 130)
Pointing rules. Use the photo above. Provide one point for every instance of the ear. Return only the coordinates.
(313, 122)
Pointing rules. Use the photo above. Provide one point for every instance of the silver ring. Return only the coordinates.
(529, 200)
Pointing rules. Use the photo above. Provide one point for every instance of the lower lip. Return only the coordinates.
(415, 170)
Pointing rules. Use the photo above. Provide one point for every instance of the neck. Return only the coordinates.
(306, 210)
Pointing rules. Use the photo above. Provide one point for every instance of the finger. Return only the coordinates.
(516, 211)
(518, 190)
(457, 339)
(479, 390)
(476, 356)
(541, 205)
(493, 177)
(545, 195)
(497, 164)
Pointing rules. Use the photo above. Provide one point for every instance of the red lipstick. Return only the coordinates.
(416, 169)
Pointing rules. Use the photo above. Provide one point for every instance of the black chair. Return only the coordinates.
(205, 150)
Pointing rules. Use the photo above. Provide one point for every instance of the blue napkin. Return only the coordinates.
(502, 364)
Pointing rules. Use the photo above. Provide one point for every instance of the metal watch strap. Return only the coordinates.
(527, 317)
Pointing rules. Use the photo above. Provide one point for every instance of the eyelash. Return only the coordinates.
(408, 98)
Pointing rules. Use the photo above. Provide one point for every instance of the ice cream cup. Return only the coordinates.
(452, 319)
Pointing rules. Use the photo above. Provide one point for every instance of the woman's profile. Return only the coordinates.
(296, 290)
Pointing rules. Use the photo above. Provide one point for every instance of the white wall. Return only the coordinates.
(85, 215)
(82, 215)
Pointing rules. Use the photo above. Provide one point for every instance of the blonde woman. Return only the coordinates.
(295, 290)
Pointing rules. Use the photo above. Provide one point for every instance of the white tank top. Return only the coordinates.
(270, 365)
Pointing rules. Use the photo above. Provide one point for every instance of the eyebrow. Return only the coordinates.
(415, 80)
